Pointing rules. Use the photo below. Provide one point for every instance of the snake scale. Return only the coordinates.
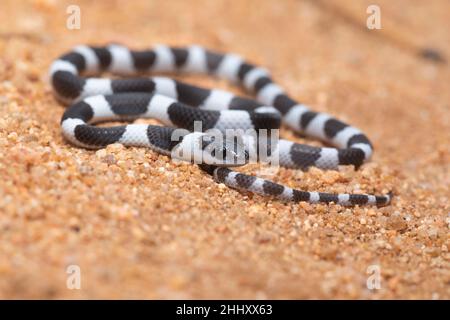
(180, 105)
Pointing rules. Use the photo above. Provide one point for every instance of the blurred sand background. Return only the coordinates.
(140, 226)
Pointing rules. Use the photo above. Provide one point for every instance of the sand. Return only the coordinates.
(140, 226)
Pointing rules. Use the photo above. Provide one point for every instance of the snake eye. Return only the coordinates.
(224, 152)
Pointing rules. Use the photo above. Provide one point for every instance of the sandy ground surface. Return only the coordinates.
(139, 226)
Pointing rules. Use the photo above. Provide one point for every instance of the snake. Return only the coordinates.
(134, 93)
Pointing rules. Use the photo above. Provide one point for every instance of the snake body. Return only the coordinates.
(178, 105)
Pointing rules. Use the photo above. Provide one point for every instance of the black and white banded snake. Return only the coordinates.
(177, 104)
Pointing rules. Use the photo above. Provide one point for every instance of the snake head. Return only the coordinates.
(224, 151)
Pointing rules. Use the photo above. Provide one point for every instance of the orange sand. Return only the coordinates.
(140, 226)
